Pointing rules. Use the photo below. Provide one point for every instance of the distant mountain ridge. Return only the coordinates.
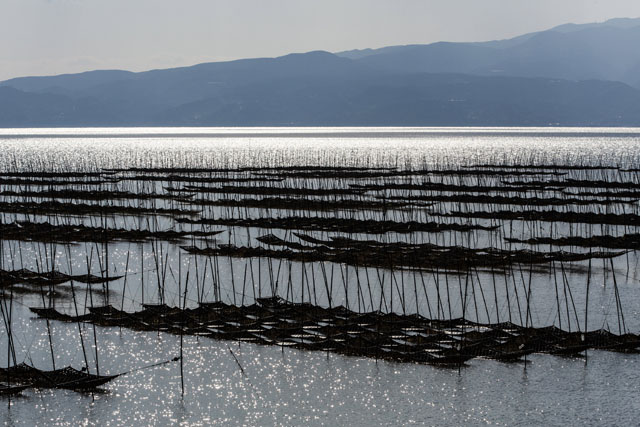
(621, 23)
(603, 51)
(572, 75)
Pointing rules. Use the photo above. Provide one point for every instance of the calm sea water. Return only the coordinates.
(293, 387)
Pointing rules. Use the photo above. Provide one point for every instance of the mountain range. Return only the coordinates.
(571, 75)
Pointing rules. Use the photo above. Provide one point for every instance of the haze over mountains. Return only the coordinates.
(572, 75)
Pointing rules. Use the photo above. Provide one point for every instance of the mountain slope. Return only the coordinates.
(349, 99)
(418, 100)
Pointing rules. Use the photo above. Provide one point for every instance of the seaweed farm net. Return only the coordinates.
(428, 261)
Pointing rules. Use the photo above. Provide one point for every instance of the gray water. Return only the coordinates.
(292, 387)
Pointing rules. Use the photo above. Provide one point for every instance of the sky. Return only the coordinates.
(46, 37)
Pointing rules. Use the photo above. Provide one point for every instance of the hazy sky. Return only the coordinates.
(41, 37)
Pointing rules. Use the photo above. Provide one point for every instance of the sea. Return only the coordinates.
(231, 383)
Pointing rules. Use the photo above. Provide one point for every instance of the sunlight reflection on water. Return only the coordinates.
(83, 149)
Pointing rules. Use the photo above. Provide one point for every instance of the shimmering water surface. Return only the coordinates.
(292, 387)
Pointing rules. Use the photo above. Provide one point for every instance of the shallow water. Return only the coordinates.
(292, 387)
